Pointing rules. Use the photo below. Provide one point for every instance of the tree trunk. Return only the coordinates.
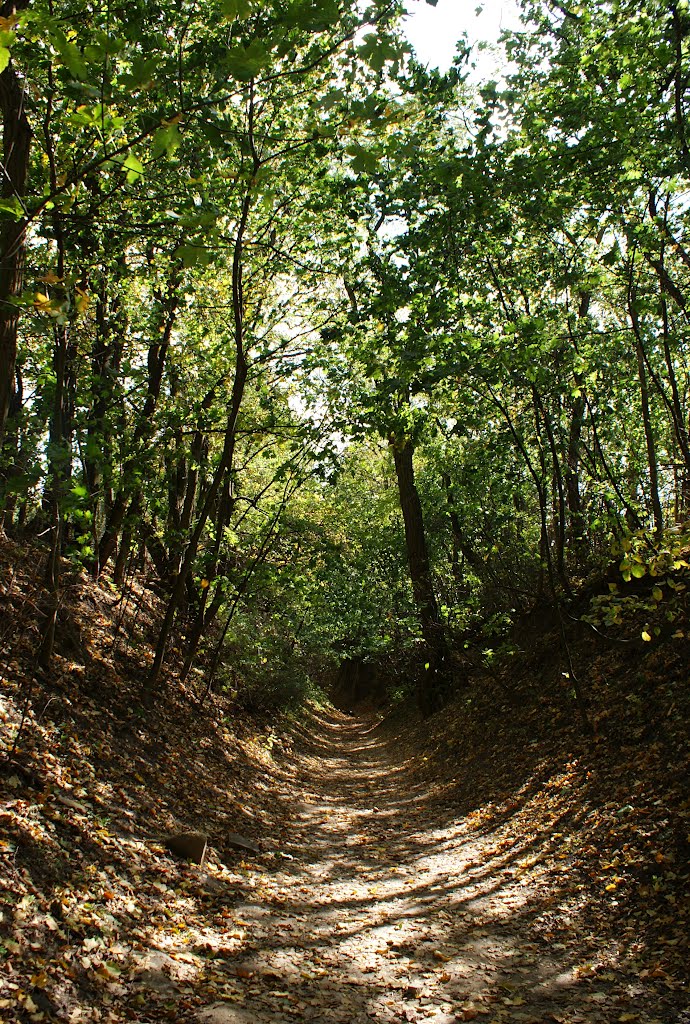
(557, 487)
(106, 355)
(649, 440)
(435, 684)
(57, 459)
(576, 525)
(157, 353)
(230, 439)
(222, 469)
(461, 545)
(16, 147)
(646, 413)
(13, 459)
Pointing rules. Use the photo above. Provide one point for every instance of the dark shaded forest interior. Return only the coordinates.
(344, 515)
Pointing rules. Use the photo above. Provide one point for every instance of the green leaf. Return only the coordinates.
(235, 9)
(638, 570)
(363, 161)
(4, 58)
(134, 168)
(141, 73)
(19, 485)
(314, 15)
(166, 140)
(194, 255)
(71, 57)
(245, 63)
(213, 134)
(376, 51)
(12, 207)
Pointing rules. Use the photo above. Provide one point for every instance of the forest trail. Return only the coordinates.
(393, 908)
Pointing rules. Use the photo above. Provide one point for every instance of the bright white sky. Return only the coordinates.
(435, 31)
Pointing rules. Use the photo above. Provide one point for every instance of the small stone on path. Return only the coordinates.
(226, 1013)
(239, 842)
(189, 845)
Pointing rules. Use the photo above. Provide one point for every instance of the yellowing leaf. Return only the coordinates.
(103, 972)
(646, 636)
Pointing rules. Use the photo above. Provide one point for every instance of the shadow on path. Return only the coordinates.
(380, 903)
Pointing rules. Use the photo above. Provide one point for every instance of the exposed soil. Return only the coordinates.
(397, 909)
(491, 863)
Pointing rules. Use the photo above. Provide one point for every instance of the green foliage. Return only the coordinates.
(259, 237)
(652, 593)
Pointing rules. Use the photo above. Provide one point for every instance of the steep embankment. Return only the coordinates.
(490, 863)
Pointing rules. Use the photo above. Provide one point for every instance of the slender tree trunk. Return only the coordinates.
(258, 560)
(576, 524)
(558, 491)
(106, 355)
(646, 413)
(16, 149)
(157, 353)
(598, 454)
(57, 457)
(673, 401)
(437, 675)
(180, 584)
(461, 545)
(122, 559)
(538, 478)
(205, 618)
(649, 441)
(13, 461)
(230, 439)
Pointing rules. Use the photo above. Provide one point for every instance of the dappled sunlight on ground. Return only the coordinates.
(388, 888)
(393, 909)
(491, 863)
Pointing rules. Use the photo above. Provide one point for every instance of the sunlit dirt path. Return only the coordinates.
(380, 905)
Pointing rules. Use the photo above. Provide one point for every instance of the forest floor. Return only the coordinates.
(491, 863)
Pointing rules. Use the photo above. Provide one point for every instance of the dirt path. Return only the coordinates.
(534, 875)
(379, 905)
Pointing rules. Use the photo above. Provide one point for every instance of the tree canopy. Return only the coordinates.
(353, 359)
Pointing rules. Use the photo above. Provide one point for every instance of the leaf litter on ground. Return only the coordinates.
(491, 863)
